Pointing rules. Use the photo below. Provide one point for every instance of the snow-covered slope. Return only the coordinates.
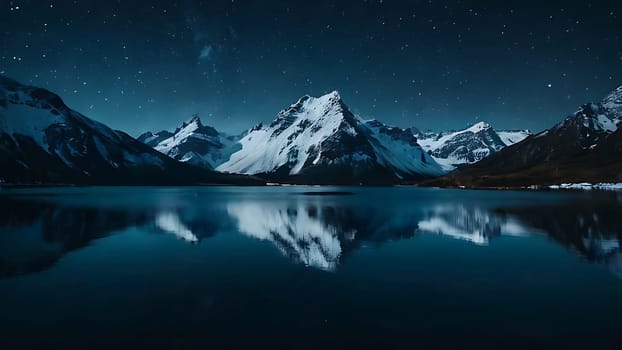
(320, 139)
(596, 119)
(584, 147)
(510, 137)
(398, 148)
(588, 125)
(44, 141)
(455, 148)
(38, 130)
(194, 143)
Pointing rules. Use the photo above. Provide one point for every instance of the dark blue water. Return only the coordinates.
(197, 268)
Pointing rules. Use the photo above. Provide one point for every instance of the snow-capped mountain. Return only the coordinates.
(589, 123)
(318, 140)
(193, 143)
(468, 146)
(584, 147)
(44, 141)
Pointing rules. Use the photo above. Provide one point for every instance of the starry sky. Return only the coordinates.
(149, 65)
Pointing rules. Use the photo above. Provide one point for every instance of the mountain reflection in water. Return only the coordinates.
(316, 231)
(472, 224)
(317, 235)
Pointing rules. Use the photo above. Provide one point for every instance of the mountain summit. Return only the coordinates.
(194, 143)
(456, 148)
(319, 140)
(42, 141)
(584, 147)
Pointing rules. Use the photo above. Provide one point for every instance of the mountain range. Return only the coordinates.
(320, 141)
(458, 148)
(193, 143)
(584, 147)
(316, 140)
(42, 141)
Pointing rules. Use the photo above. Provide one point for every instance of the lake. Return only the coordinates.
(309, 267)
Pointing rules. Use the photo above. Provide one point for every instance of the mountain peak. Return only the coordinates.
(194, 120)
(320, 139)
(47, 142)
(466, 146)
(330, 98)
(479, 126)
(333, 95)
(327, 106)
(192, 142)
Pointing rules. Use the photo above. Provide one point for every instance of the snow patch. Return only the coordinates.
(512, 137)
(588, 186)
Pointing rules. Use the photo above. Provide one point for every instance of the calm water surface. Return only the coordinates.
(226, 267)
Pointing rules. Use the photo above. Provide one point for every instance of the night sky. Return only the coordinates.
(149, 65)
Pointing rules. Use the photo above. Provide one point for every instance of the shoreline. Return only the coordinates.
(573, 187)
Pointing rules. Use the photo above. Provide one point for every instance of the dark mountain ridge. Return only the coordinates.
(43, 141)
